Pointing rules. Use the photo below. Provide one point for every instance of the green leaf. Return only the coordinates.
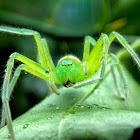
(101, 116)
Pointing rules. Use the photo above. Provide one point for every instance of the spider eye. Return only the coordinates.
(70, 63)
(66, 62)
(46, 71)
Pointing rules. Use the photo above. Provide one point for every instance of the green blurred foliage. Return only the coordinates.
(57, 17)
(72, 18)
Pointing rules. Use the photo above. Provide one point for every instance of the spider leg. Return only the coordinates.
(8, 85)
(13, 82)
(116, 63)
(87, 82)
(103, 41)
(44, 54)
(88, 40)
(123, 42)
(43, 50)
(50, 67)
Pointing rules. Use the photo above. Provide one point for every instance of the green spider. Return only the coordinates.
(68, 71)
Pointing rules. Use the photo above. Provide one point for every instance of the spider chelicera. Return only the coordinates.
(69, 69)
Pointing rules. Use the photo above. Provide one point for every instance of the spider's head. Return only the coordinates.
(66, 62)
(67, 70)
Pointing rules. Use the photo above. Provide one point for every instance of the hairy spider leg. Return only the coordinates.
(123, 42)
(88, 40)
(93, 57)
(98, 53)
(31, 67)
(116, 63)
(14, 80)
(105, 41)
(44, 54)
(51, 68)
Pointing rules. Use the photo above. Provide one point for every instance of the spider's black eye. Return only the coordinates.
(46, 71)
(70, 63)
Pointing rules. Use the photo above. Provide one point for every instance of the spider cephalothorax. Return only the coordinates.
(69, 71)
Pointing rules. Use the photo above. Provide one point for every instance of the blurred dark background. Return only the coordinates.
(64, 23)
